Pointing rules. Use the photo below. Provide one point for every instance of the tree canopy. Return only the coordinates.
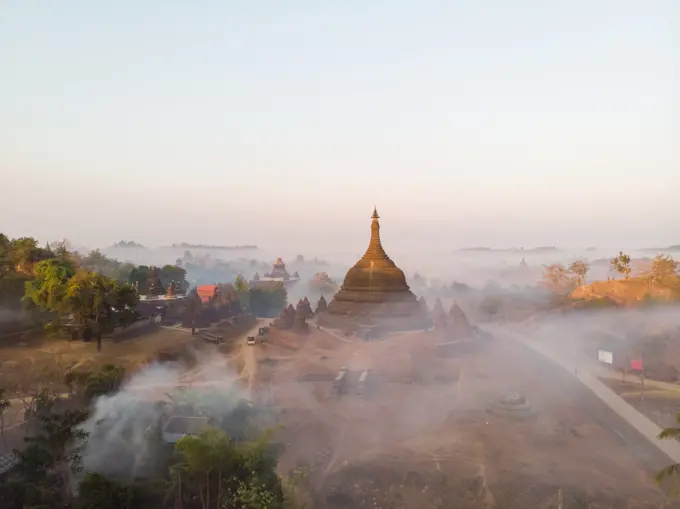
(621, 264)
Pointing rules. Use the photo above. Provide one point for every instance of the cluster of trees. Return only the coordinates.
(561, 279)
(57, 284)
(124, 272)
(231, 465)
(60, 287)
(663, 270)
(88, 303)
(17, 258)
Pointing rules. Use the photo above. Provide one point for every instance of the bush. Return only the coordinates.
(98, 492)
(107, 381)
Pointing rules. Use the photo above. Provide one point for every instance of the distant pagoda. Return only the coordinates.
(279, 270)
(279, 274)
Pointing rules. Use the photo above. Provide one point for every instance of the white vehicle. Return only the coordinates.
(251, 340)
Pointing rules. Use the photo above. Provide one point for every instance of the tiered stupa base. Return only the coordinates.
(381, 315)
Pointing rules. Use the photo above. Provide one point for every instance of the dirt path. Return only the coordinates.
(249, 359)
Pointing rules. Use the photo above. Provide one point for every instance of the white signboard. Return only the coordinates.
(605, 356)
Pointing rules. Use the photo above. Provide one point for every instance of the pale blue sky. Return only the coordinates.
(507, 122)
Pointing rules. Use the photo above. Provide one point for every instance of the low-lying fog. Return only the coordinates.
(122, 425)
(426, 269)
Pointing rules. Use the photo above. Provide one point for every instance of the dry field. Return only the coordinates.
(424, 437)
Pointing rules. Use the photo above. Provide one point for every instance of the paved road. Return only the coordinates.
(641, 423)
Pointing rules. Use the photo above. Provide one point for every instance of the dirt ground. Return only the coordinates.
(24, 359)
(23, 363)
(424, 436)
(659, 404)
(33, 362)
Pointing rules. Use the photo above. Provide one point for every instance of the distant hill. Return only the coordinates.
(185, 245)
(127, 244)
(674, 247)
(540, 249)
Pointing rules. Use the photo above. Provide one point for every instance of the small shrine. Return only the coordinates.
(321, 305)
(300, 324)
(153, 286)
(439, 315)
(307, 307)
(286, 318)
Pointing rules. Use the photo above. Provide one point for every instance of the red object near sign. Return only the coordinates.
(636, 365)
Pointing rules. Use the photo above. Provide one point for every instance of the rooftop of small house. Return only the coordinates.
(8, 460)
(179, 426)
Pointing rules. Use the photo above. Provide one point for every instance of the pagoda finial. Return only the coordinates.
(375, 250)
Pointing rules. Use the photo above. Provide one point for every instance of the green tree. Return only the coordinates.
(98, 492)
(267, 300)
(192, 312)
(664, 267)
(96, 301)
(6, 256)
(224, 474)
(26, 252)
(240, 283)
(106, 381)
(671, 471)
(174, 273)
(579, 269)
(41, 478)
(621, 264)
(47, 291)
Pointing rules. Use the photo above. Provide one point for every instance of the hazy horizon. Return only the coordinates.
(466, 123)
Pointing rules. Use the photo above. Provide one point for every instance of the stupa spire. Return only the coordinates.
(375, 250)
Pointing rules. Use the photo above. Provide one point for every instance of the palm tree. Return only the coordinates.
(671, 471)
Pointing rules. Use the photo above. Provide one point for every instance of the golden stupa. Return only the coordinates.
(375, 293)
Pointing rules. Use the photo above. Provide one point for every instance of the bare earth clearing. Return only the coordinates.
(425, 436)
